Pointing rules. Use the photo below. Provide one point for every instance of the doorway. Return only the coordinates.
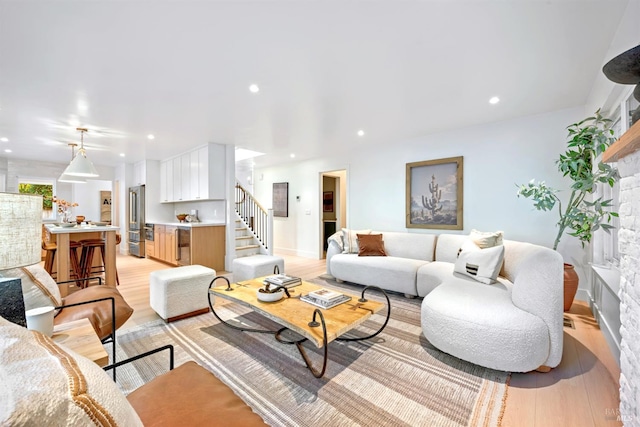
(333, 205)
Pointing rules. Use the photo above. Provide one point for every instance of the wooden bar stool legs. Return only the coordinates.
(88, 251)
(76, 270)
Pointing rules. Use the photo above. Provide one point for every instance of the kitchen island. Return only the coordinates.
(63, 235)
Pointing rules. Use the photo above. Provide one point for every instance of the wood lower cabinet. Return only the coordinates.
(207, 245)
(164, 244)
(150, 248)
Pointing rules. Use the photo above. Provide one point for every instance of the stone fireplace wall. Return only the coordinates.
(629, 241)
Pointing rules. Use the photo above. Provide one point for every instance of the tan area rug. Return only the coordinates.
(396, 379)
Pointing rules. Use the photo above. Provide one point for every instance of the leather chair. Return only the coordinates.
(188, 395)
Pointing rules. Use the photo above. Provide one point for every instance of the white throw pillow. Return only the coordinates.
(482, 265)
(486, 239)
(350, 240)
(46, 384)
(38, 288)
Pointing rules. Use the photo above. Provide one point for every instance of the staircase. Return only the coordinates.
(254, 225)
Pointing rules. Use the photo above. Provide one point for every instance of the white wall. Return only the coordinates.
(88, 198)
(496, 157)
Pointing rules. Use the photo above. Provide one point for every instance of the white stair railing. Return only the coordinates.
(258, 219)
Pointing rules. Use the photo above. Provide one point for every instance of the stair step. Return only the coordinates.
(241, 228)
(241, 248)
(244, 237)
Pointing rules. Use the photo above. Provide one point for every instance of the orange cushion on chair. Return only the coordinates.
(190, 395)
(99, 314)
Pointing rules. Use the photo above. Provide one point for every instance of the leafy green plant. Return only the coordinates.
(580, 217)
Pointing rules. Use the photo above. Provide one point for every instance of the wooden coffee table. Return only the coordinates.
(308, 322)
(80, 337)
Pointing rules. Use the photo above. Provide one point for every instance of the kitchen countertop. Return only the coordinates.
(56, 229)
(191, 224)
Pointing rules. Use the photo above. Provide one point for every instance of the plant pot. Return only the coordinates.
(570, 285)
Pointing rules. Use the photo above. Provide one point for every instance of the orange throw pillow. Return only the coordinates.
(371, 245)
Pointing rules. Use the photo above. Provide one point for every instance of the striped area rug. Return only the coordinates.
(396, 379)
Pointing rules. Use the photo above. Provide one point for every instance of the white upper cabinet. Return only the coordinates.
(196, 175)
(177, 179)
(140, 173)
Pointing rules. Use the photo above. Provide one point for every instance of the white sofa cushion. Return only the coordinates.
(479, 323)
(409, 245)
(391, 273)
(482, 265)
(432, 275)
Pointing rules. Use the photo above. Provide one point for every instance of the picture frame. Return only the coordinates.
(281, 199)
(105, 206)
(327, 201)
(434, 194)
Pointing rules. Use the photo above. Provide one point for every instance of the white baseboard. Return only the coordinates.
(295, 252)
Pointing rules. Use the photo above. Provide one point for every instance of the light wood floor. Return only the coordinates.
(582, 391)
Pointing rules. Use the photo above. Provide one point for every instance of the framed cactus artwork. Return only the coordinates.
(434, 194)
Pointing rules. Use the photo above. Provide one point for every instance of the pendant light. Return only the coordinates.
(68, 178)
(80, 165)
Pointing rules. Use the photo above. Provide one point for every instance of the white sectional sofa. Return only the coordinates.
(512, 325)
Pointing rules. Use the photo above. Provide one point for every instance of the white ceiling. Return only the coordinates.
(181, 71)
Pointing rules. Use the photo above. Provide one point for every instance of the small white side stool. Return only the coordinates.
(250, 267)
(180, 292)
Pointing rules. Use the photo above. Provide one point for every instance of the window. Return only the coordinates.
(608, 251)
(41, 186)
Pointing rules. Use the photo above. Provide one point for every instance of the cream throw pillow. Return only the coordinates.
(38, 288)
(350, 240)
(482, 265)
(45, 384)
(486, 239)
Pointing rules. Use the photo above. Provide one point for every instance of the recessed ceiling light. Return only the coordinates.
(254, 88)
(4, 139)
(151, 136)
(494, 100)
(360, 132)
(7, 151)
(82, 106)
(121, 154)
(292, 155)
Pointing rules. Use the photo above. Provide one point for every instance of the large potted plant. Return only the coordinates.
(580, 216)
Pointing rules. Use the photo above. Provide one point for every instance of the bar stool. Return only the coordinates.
(76, 270)
(86, 259)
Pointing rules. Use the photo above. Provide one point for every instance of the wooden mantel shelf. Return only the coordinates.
(628, 143)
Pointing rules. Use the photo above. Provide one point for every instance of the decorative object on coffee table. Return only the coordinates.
(588, 139)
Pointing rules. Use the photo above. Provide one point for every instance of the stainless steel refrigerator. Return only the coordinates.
(136, 221)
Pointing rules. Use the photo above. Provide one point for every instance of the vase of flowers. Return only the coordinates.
(64, 209)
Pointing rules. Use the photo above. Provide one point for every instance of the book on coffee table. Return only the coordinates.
(325, 298)
(283, 280)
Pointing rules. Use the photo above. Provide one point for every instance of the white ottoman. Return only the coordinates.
(253, 266)
(180, 292)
